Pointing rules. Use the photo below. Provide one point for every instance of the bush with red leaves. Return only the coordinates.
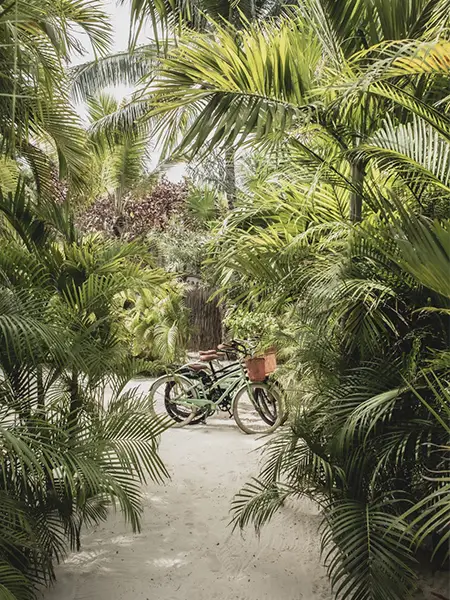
(150, 212)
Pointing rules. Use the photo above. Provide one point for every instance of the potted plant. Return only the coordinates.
(246, 324)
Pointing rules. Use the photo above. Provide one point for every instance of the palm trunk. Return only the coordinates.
(356, 198)
(118, 202)
(230, 177)
(75, 404)
(119, 221)
(40, 389)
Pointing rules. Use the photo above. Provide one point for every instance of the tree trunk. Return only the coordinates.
(40, 390)
(119, 219)
(230, 177)
(205, 319)
(356, 198)
(75, 404)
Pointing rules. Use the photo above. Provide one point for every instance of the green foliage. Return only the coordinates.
(38, 123)
(119, 157)
(69, 448)
(179, 248)
(159, 325)
(169, 18)
(246, 325)
(343, 230)
(204, 204)
(350, 138)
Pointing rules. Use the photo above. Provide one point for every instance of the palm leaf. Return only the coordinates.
(367, 552)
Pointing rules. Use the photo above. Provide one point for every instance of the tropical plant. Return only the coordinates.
(121, 159)
(244, 324)
(339, 232)
(204, 205)
(69, 450)
(159, 325)
(149, 208)
(179, 248)
(137, 67)
(223, 84)
(368, 437)
(38, 123)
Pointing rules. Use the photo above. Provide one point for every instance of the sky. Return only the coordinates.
(120, 19)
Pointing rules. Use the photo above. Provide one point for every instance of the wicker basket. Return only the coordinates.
(259, 367)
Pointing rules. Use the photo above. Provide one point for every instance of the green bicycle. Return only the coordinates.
(195, 391)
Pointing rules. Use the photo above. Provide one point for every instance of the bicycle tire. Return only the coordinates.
(247, 413)
(270, 381)
(177, 413)
(182, 415)
(268, 407)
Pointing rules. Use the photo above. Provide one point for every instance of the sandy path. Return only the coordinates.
(186, 550)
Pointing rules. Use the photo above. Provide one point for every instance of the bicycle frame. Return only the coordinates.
(233, 367)
(237, 378)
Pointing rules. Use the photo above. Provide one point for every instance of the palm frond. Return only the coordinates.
(415, 151)
(123, 68)
(226, 80)
(367, 552)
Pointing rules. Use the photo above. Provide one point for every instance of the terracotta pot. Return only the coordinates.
(256, 368)
(271, 360)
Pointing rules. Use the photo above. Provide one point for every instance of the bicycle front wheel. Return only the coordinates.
(257, 408)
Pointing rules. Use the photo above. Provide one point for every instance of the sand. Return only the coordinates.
(186, 550)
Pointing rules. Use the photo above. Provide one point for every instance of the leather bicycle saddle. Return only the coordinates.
(211, 356)
(226, 347)
(198, 366)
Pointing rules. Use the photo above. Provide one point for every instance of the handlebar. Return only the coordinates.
(237, 346)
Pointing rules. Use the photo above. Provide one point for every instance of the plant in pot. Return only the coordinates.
(242, 323)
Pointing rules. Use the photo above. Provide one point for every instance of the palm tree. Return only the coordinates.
(368, 304)
(37, 119)
(68, 451)
(283, 78)
(120, 158)
(168, 20)
(367, 342)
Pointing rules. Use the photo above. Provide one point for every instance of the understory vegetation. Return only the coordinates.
(317, 209)
(74, 438)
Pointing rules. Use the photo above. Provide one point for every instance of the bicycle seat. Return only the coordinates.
(198, 366)
(210, 357)
(226, 347)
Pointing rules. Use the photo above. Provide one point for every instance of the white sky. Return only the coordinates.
(120, 19)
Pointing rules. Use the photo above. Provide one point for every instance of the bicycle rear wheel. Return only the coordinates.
(270, 411)
(257, 408)
(174, 392)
